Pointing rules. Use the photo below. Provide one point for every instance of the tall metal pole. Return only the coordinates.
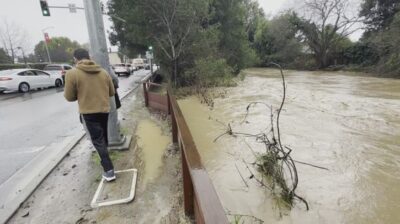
(151, 66)
(47, 50)
(45, 43)
(99, 53)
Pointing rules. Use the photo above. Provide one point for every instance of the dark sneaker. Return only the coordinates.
(109, 175)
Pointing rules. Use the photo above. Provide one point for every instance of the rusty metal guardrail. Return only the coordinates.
(153, 100)
(200, 198)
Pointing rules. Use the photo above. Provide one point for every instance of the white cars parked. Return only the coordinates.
(24, 80)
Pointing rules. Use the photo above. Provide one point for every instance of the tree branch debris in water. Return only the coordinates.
(276, 163)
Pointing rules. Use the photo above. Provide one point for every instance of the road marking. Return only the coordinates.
(19, 151)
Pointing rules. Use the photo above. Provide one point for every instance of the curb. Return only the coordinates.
(23, 183)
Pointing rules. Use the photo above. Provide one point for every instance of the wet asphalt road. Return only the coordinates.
(29, 122)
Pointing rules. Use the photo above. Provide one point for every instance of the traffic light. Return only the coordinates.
(45, 8)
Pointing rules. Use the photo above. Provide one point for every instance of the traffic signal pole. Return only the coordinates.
(45, 43)
(99, 53)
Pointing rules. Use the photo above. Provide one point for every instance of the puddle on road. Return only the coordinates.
(330, 120)
(153, 144)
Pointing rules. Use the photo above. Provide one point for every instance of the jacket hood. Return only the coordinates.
(88, 66)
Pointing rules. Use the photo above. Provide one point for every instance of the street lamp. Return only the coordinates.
(23, 55)
(45, 42)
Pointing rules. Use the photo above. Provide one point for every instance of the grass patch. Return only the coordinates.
(114, 156)
(124, 130)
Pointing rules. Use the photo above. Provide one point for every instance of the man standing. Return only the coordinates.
(92, 87)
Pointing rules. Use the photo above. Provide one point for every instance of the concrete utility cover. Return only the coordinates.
(120, 191)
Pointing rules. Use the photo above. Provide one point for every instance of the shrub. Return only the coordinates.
(39, 66)
(11, 66)
(209, 72)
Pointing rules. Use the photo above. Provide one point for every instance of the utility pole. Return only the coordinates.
(99, 53)
(45, 42)
(47, 50)
(150, 56)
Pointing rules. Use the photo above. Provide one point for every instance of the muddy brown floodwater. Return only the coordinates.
(345, 122)
(153, 151)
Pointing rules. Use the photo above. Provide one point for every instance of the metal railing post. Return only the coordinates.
(188, 197)
(146, 96)
(173, 120)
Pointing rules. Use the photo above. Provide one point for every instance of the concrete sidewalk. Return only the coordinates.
(16, 189)
(65, 194)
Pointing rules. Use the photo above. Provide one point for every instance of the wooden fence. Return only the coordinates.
(200, 198)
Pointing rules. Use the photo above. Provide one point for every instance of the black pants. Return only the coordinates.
(96, 125)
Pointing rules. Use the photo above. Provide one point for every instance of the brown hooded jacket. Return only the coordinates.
(91, 86)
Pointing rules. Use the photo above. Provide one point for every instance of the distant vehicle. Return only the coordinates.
(138, 63)
(58, 68)
(126, 69)
(24, 80)
(147, 66)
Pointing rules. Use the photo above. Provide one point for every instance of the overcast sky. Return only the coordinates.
(27, 15)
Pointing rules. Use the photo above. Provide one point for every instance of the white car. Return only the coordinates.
(24, 80)
(58, 68)
(122, 69)
(138, 63)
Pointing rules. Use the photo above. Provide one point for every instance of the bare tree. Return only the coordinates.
(12, 37)
(324, 23)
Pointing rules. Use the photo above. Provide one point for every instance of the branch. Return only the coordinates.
(162, 47)
(241, 215)
(241, 176)
(282, 103)
(255, 178)
(309, 164)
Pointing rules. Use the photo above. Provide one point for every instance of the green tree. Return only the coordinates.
(178, 30)
(361, 53)
(188, 34)
(381, 40)
(60, 48)
(387, 42)
(174, 26)
(276, 41)
(254, 15)
(379, 14)
(229, 16)
(132, 37)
